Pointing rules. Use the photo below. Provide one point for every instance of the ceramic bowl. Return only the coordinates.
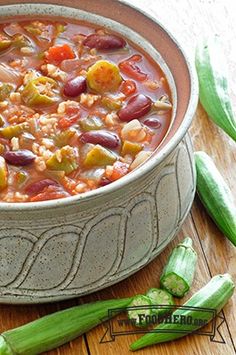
(59, 249)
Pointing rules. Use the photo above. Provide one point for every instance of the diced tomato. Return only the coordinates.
(129, 68)
(51, 192)
(128, 87)
(57, 54)
(119, 169)
(67, 121)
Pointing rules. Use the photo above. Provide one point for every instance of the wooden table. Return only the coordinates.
(187, 20)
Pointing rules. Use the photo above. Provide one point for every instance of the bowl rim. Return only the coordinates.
(145, 168)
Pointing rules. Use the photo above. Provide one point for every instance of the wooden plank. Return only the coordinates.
(12, 316)
(140, 283)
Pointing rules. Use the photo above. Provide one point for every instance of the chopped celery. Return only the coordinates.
(20, 41)
(60, 28)
(63, 138)
(34, 30)
(21, 177)
(65, 159)
(90, 123)
(99, 156)
(12, 131)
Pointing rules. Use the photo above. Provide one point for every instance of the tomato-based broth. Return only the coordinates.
(80, 107)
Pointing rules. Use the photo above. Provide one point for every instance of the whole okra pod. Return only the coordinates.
(177, 276)
(213, 85)
(213, 295)
(216, 195)
(56, 329)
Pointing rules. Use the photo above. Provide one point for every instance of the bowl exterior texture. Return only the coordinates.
(61, 254)
(67, 249)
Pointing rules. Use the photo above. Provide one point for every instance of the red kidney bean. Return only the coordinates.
(39, 186)
(104, 41)
(152, 122)
(75, 86)
(19, 157)
(104, 138)
(136, 107)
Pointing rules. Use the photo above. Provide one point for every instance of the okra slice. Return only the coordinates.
(160, 297)
(177, 276)
(213, 296)
(139, 314)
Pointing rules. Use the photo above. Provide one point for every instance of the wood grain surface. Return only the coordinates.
(188, 21)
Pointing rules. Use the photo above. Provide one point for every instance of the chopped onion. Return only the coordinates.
(13, 29)
(140, 158)
(9, 75)
(69, 65)
(93, 174)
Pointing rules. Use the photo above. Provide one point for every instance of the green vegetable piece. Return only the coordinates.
(131, 148)
(216, 195)
(99, 156)
(60, 28)
(104, 76)
(65, 159)
(214, 96)
(111, 104)
(90, 123)
(177, 276)
(139, 314)
(213, 295)
(56, 329)
(3, 175)
(41, 91)
(34, 30)
(5, 90)
(5, 42)
(160, 297)
(20, 41)
(63, 138)
(21, 178)
(2, 121)
(13, 131)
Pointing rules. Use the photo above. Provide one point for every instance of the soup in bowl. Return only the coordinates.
(96, 167)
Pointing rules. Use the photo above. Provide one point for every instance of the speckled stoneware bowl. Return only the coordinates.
(60, 249)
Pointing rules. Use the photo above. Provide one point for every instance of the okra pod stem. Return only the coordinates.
(178, 273)
(213, 295)
(56, 329)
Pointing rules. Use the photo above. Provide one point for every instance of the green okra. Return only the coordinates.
(177, 276)
(160, 297)
(213, 296)
(138, 314)
(58, 328)
(213, 85)
(216, 195)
